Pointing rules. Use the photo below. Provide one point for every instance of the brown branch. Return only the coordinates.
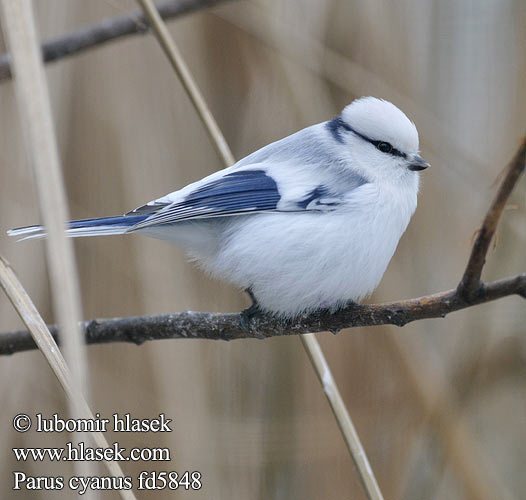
(106, 30)
(220, 326)
(470, 282)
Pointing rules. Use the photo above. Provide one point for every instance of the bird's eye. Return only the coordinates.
(384, 147)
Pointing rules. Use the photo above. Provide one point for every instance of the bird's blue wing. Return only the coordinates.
(300, 173)
(238, 192)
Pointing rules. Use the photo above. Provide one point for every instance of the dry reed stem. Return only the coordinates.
(35, 112)
(330, 388)
(46, 343)
(312, 346)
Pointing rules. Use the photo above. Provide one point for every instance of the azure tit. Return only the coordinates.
(308, 222)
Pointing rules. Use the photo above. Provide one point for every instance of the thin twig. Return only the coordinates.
(35, 112)
(470, 283)
(312, 346)
(107, 30)
(41, 335)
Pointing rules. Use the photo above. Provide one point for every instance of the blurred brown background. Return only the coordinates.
(440, 405)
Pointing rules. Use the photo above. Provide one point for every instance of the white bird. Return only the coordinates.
(308, 222)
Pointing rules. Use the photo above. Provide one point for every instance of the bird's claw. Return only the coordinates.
(248, 315)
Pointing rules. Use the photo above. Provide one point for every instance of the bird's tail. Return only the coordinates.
(86, 227)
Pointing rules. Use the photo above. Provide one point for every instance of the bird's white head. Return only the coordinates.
(382, 140)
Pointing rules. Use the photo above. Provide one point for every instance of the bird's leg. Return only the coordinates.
(252, 296)
(251, 312)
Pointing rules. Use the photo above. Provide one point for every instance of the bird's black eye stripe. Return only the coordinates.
(383, 146)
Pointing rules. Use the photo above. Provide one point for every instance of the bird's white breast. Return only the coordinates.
(297, 262)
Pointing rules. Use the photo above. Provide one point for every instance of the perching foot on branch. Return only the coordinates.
(250, 313)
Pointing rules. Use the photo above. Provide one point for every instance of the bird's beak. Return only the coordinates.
(417, 164)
